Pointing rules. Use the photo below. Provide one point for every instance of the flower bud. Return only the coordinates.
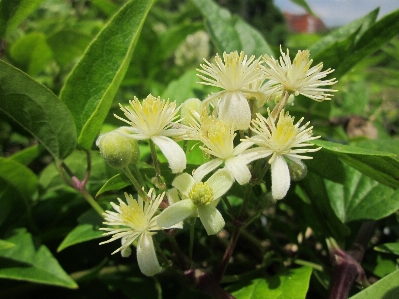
(187, 109)
(118, 149)
(298, 170)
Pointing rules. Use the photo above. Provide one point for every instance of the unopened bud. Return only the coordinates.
(117, 149)
(188, 108)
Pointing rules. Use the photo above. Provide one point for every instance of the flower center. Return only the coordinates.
(285, 132)
(134, 216)
(201, 194)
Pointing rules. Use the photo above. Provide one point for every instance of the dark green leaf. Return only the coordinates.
(385, 288)
(87, 230)
(38, 265)
(361, 198)
(327, 165)
(304, 5)
(92, 85)
(380, 166)
(292, 284)
(37, 110)
(316, 209)
(21, 178)
(230, 33)
(13, 12)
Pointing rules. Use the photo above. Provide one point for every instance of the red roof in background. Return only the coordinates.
(305, 23)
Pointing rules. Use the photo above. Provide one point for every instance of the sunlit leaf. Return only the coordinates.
(92, 85)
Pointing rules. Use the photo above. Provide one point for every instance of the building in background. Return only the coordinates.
(304, 23)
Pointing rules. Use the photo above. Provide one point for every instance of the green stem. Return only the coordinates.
(136, 184)
(191, 245)
(281, 104)
(157, 167)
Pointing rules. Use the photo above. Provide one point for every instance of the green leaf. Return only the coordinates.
(304, 5)
(327, 165)
(183, 88)
(292, 284)
(31, 53)
(361, 198)
(87, 230)
(17, 175)
(357, 26)
(27, 155)
(315, 208)
(106, 6)
(26, 262)
(388, 248)
(67, 45)
(6, 245)
(93, 83)
(38, 110)
(380, 166)
(13, 12)
(385, 288)
(231, 33)
(117, 182)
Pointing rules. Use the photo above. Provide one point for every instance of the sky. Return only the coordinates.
(340, 12)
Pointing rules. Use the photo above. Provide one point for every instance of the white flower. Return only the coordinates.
(281, 140)
(154, 119)
(234, 75)
(218, 139)
(138, 221)
(297, 77)
(198, 199)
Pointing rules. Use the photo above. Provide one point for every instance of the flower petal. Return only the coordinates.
(239, 169)
(280, 177)
(176, 213)
(234, 108)
(220, 182)
(172, 152)
(206, 168)
(211, 219)
(183, 182)
(146, 256)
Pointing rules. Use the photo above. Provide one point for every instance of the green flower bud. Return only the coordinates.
(187, 109)
(117, 149)
(298, 170)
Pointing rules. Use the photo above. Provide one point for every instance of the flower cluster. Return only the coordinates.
(231, 135)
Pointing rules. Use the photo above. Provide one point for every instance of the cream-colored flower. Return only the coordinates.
(282, 140)
(234, 74)
(136, 220)
(197, 199)
(217, 137)
(297, 77)
(154, 119)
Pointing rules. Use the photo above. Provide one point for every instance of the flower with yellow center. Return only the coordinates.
(234, 74)
(198, 199)
(136, 220)
(297, 77)
(217, 137)
(154, 119)
(282, 140)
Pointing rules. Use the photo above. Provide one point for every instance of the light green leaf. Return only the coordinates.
(17, 175)
(13, 12)
(182, 88)
(117, 182)
(92, 85)
(38, 110)
(292, 284)
(385, 288)
(6, 245)
(231, 33)
(380, 166)
(361, 198)
(88, 229)
(31, 52)
(25, 262)
(27, 155)
(357, 26)
(388, 248)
